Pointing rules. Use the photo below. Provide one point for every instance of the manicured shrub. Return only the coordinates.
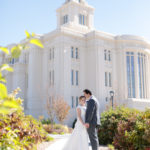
(125, 128)
(109, 123)
(134, 133)
(46, 121)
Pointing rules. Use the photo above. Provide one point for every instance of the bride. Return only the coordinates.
(79, 137)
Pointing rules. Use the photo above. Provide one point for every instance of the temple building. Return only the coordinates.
(75, 57)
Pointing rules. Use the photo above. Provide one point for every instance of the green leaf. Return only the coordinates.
(27, 34)
(3, 91)
(5, 50)
(36, 42)
(15, 51)
(6, 67)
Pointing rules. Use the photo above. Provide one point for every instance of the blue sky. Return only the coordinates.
(113, 16)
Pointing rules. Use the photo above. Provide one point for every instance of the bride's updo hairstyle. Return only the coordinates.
(81, 98)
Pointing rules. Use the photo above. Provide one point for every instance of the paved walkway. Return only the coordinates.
(61, 140)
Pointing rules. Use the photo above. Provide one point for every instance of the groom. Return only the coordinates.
(92, 118)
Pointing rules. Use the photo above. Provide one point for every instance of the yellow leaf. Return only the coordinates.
(11, 104)
(3, 80)
(33, 34)
(4, 110)
(5, 50)
(15, 51)
(27, 34)
(6, 67)
(3, 91)
(36, 42)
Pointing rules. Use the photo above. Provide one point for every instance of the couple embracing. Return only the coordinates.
(88, 120)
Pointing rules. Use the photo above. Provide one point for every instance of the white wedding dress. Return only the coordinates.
(79, 137)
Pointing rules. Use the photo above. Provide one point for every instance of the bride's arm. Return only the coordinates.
(79, 115)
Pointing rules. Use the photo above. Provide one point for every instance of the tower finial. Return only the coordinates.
(75, 0)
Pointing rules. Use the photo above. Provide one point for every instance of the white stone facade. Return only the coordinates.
(77, 56)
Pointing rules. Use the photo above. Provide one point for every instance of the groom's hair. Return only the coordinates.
(87, 91)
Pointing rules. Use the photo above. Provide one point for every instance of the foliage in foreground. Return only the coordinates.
(125, 128)
(18, 131)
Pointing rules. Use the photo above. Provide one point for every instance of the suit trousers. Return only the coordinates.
(93, 135)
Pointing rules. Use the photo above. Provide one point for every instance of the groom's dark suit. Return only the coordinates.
(93, 118)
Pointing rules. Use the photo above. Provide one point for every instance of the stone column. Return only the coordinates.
(35, 82)
(45, 78)
(19, 79)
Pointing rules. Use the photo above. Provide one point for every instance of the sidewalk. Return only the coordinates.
(61, 140)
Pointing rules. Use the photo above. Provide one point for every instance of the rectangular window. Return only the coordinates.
(130, 74)
(82, 19)
(77, 101)
(110, 80)
(77, 53)
(141, 70)
(72, 100)
(133, 76)
(65, 19)
(72, 52)
(50, 76)
(12, 61)
(106, 99)
(109, 55)
(53, 77)
(105, 54)
(72, 77)
(105, 78)
(77, 77)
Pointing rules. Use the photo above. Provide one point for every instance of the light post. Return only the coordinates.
(112, 97)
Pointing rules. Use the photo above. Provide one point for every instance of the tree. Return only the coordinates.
(61, 109)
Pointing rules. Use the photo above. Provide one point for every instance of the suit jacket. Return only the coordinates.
(92, 112)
